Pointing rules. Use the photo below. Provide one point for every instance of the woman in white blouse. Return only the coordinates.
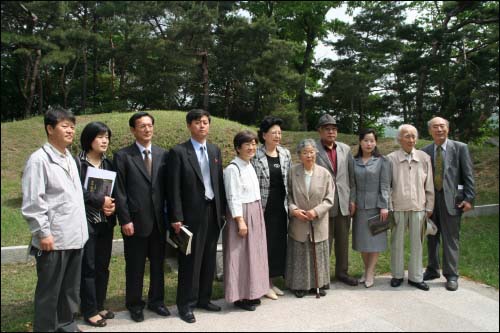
(245, 251)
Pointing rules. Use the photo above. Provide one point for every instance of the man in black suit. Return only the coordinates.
(454, 188)
(196, 199)
(140, 204)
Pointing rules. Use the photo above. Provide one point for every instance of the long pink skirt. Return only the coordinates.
(246, 272)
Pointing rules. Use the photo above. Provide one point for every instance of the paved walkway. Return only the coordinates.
(473, 307)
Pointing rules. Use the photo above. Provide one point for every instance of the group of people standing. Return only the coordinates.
(277, 220)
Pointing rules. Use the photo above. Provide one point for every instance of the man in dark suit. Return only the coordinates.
(196, 199)
(454, 189)
(140, 205)
(336, 157)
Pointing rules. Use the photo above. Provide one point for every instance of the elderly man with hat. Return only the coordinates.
(336, 157)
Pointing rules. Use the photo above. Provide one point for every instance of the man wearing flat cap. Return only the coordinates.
(336, 157)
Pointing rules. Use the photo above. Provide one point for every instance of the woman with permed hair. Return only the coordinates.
(272, 162)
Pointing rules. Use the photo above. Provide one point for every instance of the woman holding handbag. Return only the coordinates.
(369, 198)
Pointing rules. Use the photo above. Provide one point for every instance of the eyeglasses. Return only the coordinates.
(144, 127)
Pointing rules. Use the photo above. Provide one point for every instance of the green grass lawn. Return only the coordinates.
(21, 138)
(478, 261)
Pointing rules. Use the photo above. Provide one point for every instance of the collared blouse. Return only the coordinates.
(241, 185)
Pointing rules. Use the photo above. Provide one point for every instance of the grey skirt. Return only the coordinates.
(362, 238)
(246, 272)
(299, 274)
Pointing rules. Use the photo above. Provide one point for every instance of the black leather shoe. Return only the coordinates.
(161, 310)
(451, 285)
(187, 316)
(349, 280)
(431, 275)
(321, 291)
(245, 305)
(255, 301)
(396, 282)
(420, 285)
(209, 307)
(137, 315)
(299, 293)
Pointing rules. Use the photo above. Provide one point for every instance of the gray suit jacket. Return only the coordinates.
(344, 179)
(319, 197)
(458, 170)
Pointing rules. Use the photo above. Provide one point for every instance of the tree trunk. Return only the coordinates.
(29, 100)
(40, 94)
(112, 67)
(84, 83)
(204, 66)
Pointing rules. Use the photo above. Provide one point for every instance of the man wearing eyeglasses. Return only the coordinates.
(336, 157)
(140, 206)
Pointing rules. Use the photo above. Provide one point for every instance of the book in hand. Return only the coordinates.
(100, 181)
(181, 241)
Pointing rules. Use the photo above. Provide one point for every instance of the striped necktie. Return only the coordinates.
(147, 161)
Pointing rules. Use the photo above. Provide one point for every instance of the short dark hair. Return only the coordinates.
(196, 114)
(243, 137)
(266, 124)
(137, 115)
(90, 132)
(55, 114)
(362, 133)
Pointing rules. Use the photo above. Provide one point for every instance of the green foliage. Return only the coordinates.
(260, 57)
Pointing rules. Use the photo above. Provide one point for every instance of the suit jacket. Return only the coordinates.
(319, 197)
(186, 191)
(372, 183)
(140, 198)
(344, 179)
(458, 170)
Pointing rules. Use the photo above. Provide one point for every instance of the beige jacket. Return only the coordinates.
(320, 198)
(412, 182)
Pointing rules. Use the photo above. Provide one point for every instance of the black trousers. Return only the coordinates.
(197, 270)
(95, 269)
(137, 249)
(57, 290)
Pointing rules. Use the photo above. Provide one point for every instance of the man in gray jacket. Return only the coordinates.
(336, 157)
(54, 208)
(454, 190)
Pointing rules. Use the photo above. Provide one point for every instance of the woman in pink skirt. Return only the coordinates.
(245, 251)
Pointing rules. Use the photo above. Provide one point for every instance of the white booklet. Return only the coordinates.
(100, 180)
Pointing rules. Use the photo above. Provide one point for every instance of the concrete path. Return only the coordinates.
(473, 307)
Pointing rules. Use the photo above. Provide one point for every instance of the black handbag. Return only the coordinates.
(376, 226)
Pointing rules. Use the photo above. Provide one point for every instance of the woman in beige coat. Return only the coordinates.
(310, 196)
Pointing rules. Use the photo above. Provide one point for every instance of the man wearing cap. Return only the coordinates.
(336, 157)
(454, 194)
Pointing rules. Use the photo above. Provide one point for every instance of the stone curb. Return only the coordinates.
(19, 254)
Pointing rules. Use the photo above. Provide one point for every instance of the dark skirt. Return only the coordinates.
(300, 274)
(275, 217)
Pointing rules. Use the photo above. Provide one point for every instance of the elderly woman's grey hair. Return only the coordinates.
(405, 128)
(429, 123)
(304, 143)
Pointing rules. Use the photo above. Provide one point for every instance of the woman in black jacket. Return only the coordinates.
(101, 219)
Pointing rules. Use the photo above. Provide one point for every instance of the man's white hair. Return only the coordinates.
(405, 128)
(429, 123)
